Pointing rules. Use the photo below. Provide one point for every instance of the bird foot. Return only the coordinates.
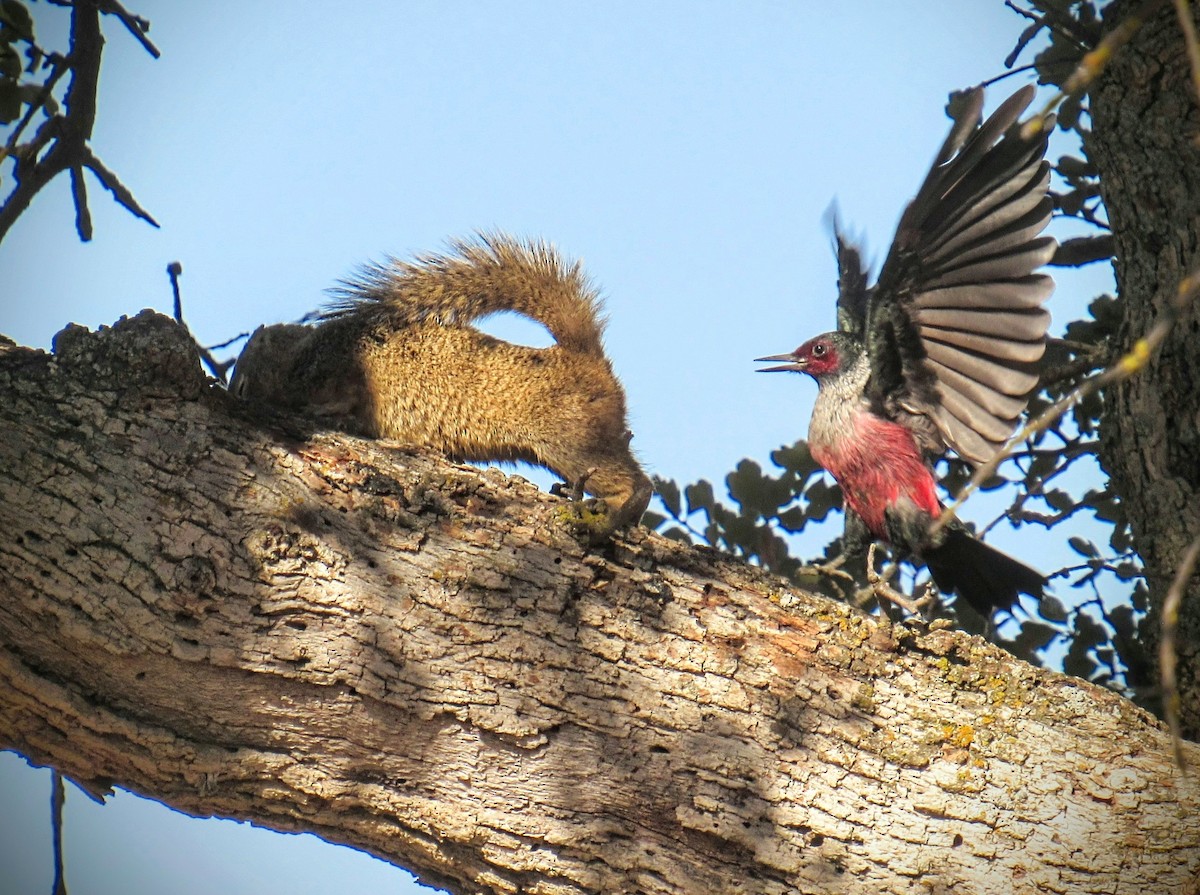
(833, 572)
(882, 589)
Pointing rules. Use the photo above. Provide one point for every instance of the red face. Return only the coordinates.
(817, 356)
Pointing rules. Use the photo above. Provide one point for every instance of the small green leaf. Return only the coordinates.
(1124, 622)
(1128, 570)
(10, 102)
(797, 458)
(10, 62)
(1071, 166)
(677, 534)
(16, 16)
(1051, 609)
(699, 496)
(1141, 596)
(1068, 112)
(992, 482)
(1084, 547)
(1088, 635)
(822, 497)
(1042, 465)
(1121, 538)
(1109, 510)
(1034, 636)
(795, 519)
(757, 494)
(668, 493)
(1059, 500)
(653, 520)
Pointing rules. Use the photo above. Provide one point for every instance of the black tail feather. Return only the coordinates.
(983, 576)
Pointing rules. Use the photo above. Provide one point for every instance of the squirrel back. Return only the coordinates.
(395, 357)
(493, 273)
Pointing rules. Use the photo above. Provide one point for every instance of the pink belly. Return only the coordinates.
(877, 466)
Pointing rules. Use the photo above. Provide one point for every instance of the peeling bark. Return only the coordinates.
(320, 633)
(1146, 122)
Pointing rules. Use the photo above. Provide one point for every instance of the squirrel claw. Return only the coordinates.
(580, 483)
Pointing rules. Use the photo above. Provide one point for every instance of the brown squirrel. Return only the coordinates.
(395, 357)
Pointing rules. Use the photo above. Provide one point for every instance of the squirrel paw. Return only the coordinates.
(589, 519)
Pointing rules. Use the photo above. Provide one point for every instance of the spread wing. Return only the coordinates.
(852, 286)
(955, 325)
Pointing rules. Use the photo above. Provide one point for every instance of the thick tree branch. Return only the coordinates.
(321, 633)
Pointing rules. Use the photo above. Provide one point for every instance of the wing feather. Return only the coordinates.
(999, 405)
(967, 441)
(990, 427)
(1008, 380)
(1004, 266)
(1021, 326)
(1010, 295)
(955, 323)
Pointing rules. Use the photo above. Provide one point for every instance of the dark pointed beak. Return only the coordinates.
(793, 363)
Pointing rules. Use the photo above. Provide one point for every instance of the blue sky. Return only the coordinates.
(686, 151)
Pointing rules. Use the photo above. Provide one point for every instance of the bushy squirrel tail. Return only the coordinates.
(492, 272)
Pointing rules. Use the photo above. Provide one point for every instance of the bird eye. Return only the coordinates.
(819, 349)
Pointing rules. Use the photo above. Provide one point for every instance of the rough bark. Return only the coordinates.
(1146, 121)
(321, 633)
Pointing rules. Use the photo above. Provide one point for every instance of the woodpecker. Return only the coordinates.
(940, 354)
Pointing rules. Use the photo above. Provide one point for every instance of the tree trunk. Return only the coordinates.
(321, 633)
(1146, 122)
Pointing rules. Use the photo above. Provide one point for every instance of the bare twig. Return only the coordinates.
(1100, 564)
(1087, 358)
(119, 191)
(136, 24)
(1049, 520)
(58, 796)
(1037, 24)
(833, 571)
(1054, 21)
(58, 66)
(219, 369)
(1167, 650)
(227, 342)
(174, 271)
(83, 216)
(1008, 74)
(1072, 448)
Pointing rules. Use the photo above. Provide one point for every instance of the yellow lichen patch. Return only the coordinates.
(966, 780)
(996, 689)
(864, 698)
(960, 735)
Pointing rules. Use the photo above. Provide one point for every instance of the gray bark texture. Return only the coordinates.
(1145, 125)
(321, 633)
